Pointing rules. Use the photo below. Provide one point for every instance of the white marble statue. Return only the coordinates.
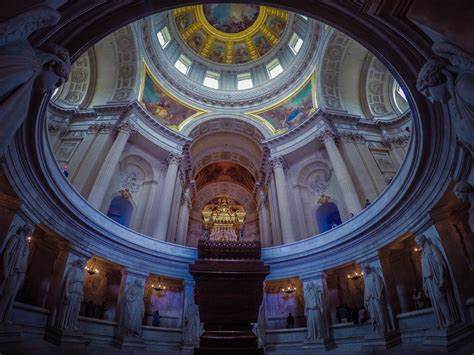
(451, 80)
(71, 296)
(437, 284)
(464, 191)
(192, 321)
(314, 312)
(132, 310)
(14, 265)
(26, 70)
(375, 300)
(261, 322)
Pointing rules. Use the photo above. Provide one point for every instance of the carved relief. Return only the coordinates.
(127, 62)
(331, 66)
(376, 76)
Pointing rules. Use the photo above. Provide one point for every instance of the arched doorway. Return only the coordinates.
(120, 210)
(327, 215)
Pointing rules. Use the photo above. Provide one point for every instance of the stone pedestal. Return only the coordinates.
(59, 336)
(10, 334)
(320, 345)
(381, 342)
(229, 277)
(447, 340)
(131, 344)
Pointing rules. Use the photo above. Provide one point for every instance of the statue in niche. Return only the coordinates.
(132, 310)
(375, 300)
(451, 81)
(71, 296)
(192, 322)
(464, 191)
(14, 265)
(262, 318)
(437, 284)
(314, 312)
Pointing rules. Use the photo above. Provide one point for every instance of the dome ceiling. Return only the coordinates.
(230, 33)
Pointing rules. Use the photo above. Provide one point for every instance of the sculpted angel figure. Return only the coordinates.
(133, 308)
(71, 296)
(451, 80)
(375, 300)
(14, 265)
(437, 284)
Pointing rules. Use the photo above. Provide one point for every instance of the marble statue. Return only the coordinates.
(71, 296)
(451, 80)
(314, 312)
(261, 319)
(375, 300)
(25, 69)
(464, 191)
(132, 310)
(437, 284)
(192, 322)
(14, 265)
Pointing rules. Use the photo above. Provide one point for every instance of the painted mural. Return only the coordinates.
(231, 18)
(217, 52)
(276, 25)
(197, 40)
(293, 111)
(231, 33)
(261, 43)
(185, 20)
(241, 53)
(163, 107)
(225, 172)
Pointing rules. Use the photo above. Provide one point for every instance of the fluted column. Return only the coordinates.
(264, 219)
(343, 177)
(164, 209)
(183, 219)
(102, 181)
(286, 223)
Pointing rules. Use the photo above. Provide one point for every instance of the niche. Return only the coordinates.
(166, 296)
(327, 216)
(281, 298)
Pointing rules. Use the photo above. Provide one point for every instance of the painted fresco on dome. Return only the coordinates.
(197, 40)
(231, 18)
(162, 106)
(292, 112)
(261, 43)
(225, 172)
(217, 52)
(241, 53)
(276, 25)
(185, 20)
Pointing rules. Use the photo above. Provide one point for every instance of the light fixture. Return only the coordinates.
(417, 249)
(159, 287)
(91, 269)
(355, 275)
(288, 290)
(29, 239)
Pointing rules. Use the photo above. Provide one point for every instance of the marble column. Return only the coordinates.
(286, 222)
(183, 220)
(164, 210)
(343, 176)
(264, 219)
(107, 170)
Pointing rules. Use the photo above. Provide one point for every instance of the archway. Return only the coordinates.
(120, 210)
(327, 215)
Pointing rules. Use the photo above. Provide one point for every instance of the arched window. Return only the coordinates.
(120, 210)
(327, 216)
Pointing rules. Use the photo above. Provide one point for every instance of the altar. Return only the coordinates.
(223, 221)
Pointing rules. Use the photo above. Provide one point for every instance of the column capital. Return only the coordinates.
(327, 135)
(174, 158)
(277, 162)
(127, 127)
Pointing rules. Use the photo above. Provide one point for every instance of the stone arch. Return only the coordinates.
(229, 156)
